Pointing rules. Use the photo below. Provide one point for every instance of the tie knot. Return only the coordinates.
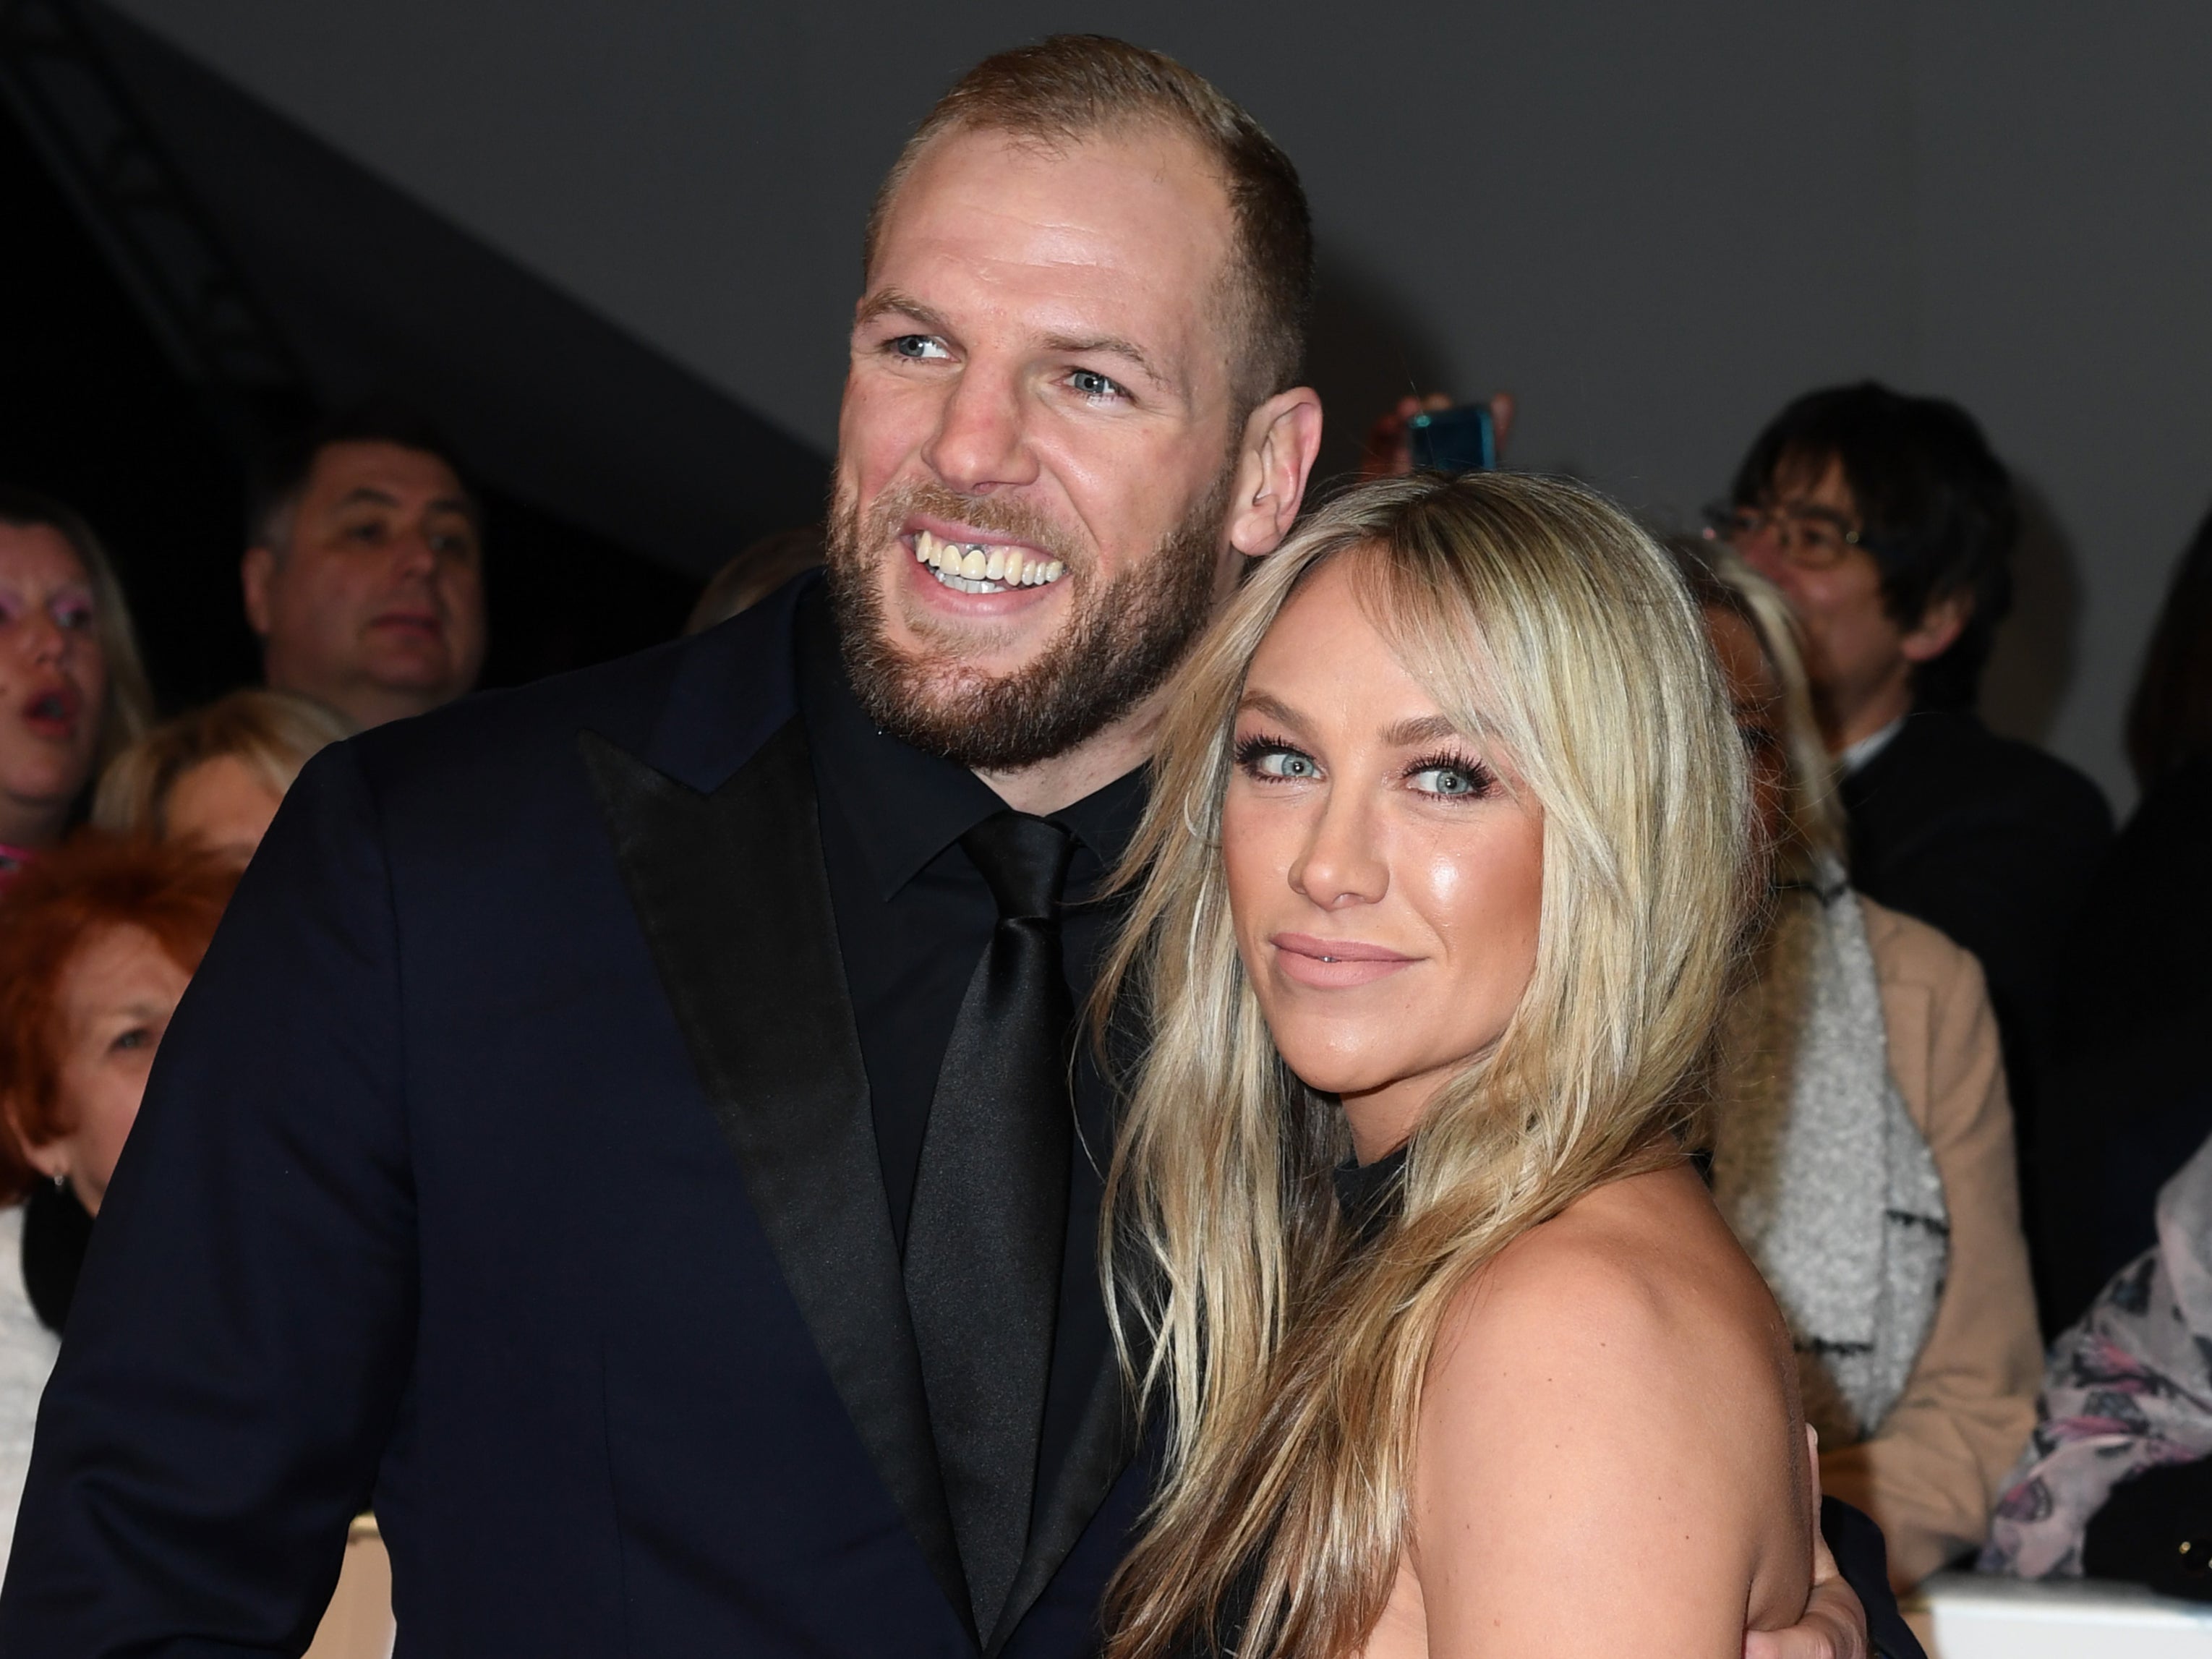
(1025, 861)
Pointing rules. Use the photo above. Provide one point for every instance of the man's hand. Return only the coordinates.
(1835, 1623)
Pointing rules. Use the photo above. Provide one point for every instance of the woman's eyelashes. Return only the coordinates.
(1451, 777)
(1438, 776)
(1272, 760)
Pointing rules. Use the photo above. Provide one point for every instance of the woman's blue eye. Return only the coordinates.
(137, 1037)
(1450, 779)
(1264, 759)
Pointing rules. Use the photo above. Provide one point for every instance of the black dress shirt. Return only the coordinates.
(913, 917)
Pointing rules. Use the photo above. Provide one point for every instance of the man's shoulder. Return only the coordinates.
(696, 708)
(1944, 762)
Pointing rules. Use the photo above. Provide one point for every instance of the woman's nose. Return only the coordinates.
(41, 639)
(1343, 862)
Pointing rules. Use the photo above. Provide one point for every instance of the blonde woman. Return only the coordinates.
(216, 775)
(72, 692)
(1436, 898)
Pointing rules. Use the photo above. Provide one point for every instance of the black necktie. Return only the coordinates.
(990, 1208)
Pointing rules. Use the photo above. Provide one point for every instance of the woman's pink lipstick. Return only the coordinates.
(1331, 964)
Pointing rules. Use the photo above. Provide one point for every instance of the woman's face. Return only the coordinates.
(1385, 871)
(53, 683)
(115, 1002)
(222, 804)
(1755, 699)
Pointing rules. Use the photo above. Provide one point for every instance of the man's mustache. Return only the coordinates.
(1015, 521)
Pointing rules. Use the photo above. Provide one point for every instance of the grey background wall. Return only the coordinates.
(1654, 223)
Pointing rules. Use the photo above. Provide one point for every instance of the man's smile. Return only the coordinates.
(978, 567)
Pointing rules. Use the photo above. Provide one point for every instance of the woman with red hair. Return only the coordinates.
(98, 940)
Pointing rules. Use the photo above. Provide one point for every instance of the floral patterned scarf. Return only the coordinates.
(2127, 1390)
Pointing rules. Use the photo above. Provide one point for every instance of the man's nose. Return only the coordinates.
(981, 439)
(417, 553)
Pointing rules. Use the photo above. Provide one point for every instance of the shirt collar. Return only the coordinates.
(864, 770)
(1857, 754)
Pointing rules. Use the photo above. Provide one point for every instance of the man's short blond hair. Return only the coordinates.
(273, 733)
(1071, 87)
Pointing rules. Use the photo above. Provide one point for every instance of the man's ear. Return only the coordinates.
(1282, 437)
(1939, 627)
(257, 574)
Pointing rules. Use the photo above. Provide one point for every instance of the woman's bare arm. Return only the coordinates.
(1610, 1458)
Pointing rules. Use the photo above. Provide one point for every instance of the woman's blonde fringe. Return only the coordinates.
(1285, 1368)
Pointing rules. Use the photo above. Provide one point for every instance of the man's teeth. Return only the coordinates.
(973, 568)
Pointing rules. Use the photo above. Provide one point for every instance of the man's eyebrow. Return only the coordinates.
(1115, 345)
(890, 303)
(368, 493)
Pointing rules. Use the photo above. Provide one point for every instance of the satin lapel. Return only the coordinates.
(1103, 1443)
(771, 1034)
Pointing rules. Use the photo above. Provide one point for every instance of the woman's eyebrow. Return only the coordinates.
(1424, 728)
(1259, 703)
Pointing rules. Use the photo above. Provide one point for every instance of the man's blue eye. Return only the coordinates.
(919, 346)
(1093, 384)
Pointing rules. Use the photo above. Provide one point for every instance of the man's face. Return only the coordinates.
(1040, 388)
(1856, 653)
(375, 603)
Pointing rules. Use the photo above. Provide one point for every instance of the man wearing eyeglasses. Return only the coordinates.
(1888, 524)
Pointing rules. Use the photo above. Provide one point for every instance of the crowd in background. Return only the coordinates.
(1956, 1077)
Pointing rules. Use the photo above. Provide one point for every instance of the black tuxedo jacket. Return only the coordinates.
(510, 1162)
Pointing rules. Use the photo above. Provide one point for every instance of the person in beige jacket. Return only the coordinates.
(1863, 1142)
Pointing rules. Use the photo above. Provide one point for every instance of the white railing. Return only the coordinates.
(1964, 1615)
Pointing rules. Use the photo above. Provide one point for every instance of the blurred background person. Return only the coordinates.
(2116, 1482)
(98, 939)
(764, 566)
(216, 775)
(1862, 1140)
(1888, 524)
(364, 582)
(2130, 1099)
(71, 689)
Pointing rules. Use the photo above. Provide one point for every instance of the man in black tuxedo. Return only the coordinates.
(622, 1128)
(1888, 523)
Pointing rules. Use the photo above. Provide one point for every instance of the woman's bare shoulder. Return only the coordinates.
(1645, 1264)
(1621, 1371)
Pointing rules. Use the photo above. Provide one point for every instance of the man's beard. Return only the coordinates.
(1118, 644)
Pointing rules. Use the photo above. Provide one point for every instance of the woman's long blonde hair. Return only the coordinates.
(1286, 1367)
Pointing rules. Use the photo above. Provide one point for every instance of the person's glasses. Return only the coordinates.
(1811, 537)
